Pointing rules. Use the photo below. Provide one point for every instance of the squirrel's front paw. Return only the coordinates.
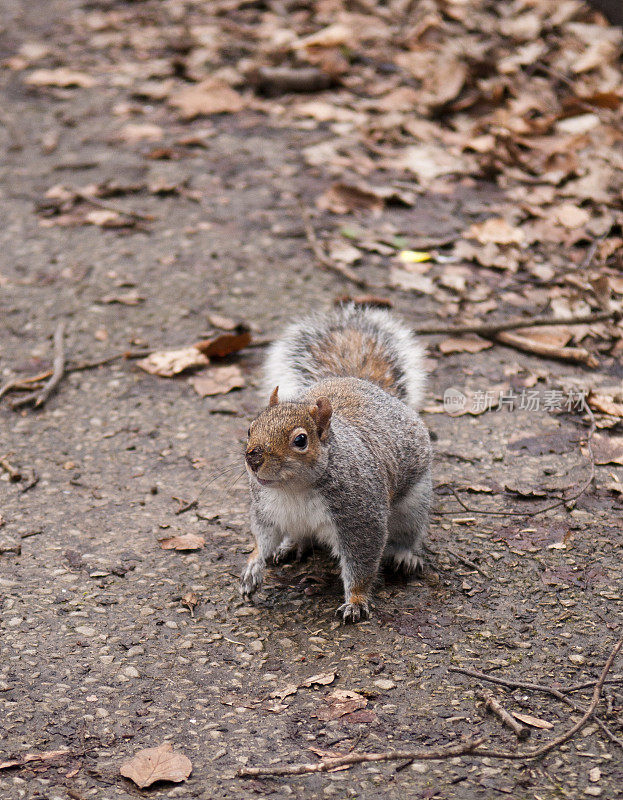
(251, 578)
(353, 612)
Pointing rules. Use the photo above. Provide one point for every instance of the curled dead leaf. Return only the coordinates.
(495, 230)
(534, 722)
(157, 764)
(224, 344)
(168, 363)
(218, 380)
(187, 541)
(212, 96)
(464, 344)
(61, 77)
(339, 703)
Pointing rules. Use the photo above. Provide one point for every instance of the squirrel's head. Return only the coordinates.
(287, 442)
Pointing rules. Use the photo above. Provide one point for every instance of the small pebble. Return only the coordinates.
(384, 683)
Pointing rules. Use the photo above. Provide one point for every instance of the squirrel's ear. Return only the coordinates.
(321, 414)
(274, 397)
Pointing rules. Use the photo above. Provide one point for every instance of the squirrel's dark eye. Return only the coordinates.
(248, 433)
(300, 441)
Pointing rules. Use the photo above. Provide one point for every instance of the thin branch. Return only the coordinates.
(539, 687)
(328, 764)
(12, 471)
(493, 704)
(576, 355)
(80, 366)
(492, 328)
(58, 370)
(324, 260)
(569, 734)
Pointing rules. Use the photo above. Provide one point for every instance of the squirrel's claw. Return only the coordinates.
(353, 612)
(252, 578)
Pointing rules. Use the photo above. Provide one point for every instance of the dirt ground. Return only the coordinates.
(100, 653)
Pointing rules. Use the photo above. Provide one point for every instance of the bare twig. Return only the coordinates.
(58, 370)
(328, 764)
(494, 705)
(539, 687)
(492, 328)
(467, 562)
(81, 366)
(12, 471)
(577, 355)
(324, 260)
(87, 198)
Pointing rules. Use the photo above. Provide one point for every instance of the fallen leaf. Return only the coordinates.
(61, 77)
(28, 758)
(168, 363)
(187, 541)
(288, 690)
(224, 344)
(135, 132)
(322, 679)
(571, 216)
(218, 380)
(102, 217)
(428, 161)
(157, 764)
(534, 722)
(339, 703)
(410, 281)
(212, 96)
(224, 323)
(495, 230)
(464, 344)
(606, 403)
(190, 600)
(343, 252)
(343, 198)
(413, 256)
(607, 449)
(127, 299)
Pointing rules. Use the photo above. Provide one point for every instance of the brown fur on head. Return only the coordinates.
(285, 444)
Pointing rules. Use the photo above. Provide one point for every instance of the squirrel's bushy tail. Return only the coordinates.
(349, 341)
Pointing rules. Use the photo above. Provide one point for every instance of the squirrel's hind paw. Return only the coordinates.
(290, 550)
(251, 578)
(353, 612)
(406, 562)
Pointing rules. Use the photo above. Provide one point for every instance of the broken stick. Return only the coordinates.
(494, 705)
(58, 370)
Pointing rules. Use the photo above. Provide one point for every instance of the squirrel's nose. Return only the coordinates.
(255, 458)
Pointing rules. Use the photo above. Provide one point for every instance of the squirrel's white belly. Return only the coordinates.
(299, 515)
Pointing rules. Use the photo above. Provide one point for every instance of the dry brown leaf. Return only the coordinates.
(61, 77)
(212, 96)
(157, 764)
(224, 323)
(190, 600)
(571, 216)
(322, 679)
(464, 344)
(168, 363)
(606, 403)
(339, 703)
(218, 380)
(427, 162)
(553, 335)
(607, 449)
(187, 541)
(127, 299)
(343, 252)
(224, 344)
(135, 132)
(343, 198)
(495, 230)
(411, 281)
(102, 217)
(534, 722)
(28, 758)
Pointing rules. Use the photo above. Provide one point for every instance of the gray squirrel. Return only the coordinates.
(340, 456)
